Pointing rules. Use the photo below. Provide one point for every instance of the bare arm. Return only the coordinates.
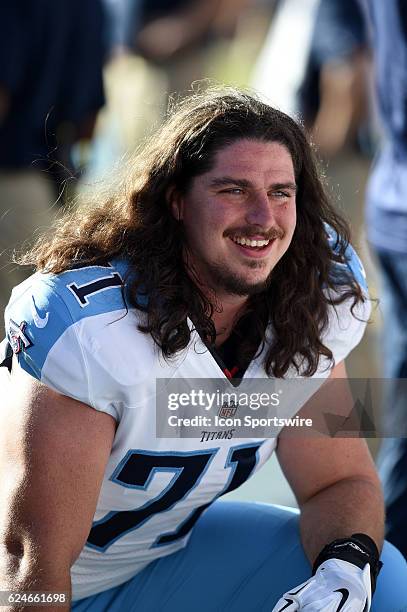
(334, 480)
(344, 91)
(53, 452)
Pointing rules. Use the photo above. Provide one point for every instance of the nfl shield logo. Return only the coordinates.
(228, 410)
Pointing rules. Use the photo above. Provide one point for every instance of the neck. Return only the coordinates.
(228, 308)
(228, 311)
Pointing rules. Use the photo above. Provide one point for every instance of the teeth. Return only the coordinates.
(252, 243)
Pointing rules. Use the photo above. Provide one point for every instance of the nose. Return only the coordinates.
(260, 210)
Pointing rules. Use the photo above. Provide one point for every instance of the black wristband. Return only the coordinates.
(359, 549)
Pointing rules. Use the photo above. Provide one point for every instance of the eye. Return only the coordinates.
(280, 194)
(233, 190)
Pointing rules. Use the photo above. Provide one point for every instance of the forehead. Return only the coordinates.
(254, 157)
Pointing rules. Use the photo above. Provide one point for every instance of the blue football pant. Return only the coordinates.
(241, 557)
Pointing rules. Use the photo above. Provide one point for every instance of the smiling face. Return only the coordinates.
(239, 217)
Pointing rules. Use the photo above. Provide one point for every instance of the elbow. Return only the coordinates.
(21, 556)
(27, 565)
(13, 563)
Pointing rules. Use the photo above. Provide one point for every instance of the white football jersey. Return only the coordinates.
(73, 332)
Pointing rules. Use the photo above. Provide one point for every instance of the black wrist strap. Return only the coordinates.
(359, 549)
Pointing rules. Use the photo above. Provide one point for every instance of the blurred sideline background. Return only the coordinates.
(81, 88)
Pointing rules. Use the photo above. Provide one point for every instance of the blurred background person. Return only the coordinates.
(51, 89)
(387, 234)
(176, 34)
(333, 98)
(159, 48)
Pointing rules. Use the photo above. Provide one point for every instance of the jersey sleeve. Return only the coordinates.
(346, 324)
(37, 319)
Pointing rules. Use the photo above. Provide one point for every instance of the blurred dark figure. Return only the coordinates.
(51, 56)
(387, 233)
(333, 97)
(334, 101)
(173, 34)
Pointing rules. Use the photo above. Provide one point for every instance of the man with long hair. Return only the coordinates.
(222, 259)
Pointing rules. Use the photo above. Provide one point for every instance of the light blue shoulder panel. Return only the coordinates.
(44, 306)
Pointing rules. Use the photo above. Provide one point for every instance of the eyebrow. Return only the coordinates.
(229, 180)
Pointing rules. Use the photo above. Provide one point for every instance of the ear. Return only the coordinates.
(175, 200)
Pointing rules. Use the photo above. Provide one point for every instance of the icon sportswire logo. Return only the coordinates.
(38, 320)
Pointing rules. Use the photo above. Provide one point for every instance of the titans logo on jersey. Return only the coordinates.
(74, 333)
(351, 266)
(17, 337)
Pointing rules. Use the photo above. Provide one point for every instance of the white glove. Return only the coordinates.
(336, 586)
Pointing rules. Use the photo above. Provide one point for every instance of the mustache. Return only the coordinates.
(249, 232)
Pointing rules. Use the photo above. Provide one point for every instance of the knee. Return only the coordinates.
(391, 591)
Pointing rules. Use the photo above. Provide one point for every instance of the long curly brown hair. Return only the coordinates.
(137, 224)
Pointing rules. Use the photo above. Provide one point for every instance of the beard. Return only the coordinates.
(223, 280)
